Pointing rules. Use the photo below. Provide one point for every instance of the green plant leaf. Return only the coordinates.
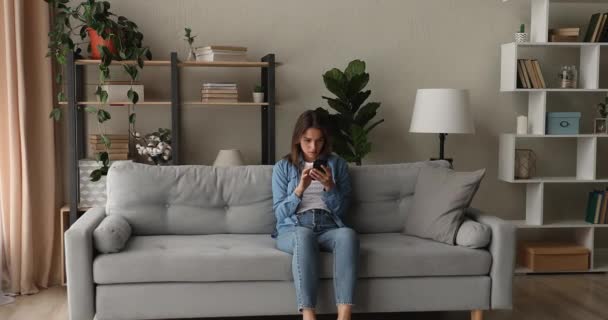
(55, 114)
(373, 125)
(366, 113)
(106, 141)
(58, 78)
(361, 146)
(358, 100)
(90, 109)
(355, 67)
(356, 84)
(338, 105)
(133, 96)
(103, 96)
(83, 32)
(103, 116)
(95, 175)
(335, 82)
(140, 62)
(132, 118)
(60, 96)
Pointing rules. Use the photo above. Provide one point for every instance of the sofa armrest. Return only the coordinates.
(79, 253)
(502, 249)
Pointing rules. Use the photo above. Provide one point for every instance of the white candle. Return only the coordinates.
(522, 125)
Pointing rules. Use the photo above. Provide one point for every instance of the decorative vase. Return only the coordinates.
(522, 37)
(96, 40)
(525, 163)
(258, 97)
(600, 126)
(191, 54)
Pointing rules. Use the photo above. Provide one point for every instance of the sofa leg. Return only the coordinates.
(477, 315)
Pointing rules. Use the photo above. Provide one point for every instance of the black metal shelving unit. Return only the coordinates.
(77, 123)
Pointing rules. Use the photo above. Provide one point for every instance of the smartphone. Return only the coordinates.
(318, 163)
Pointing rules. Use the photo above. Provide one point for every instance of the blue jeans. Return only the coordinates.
(316, 231)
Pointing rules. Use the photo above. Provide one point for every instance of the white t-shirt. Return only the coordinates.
(312, 198)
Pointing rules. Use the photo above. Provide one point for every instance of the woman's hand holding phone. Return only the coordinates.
(323, 176)
(305, 181)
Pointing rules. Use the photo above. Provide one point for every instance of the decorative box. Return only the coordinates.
(553, 257)
(92, 193)
(117, 91)
(563, 122)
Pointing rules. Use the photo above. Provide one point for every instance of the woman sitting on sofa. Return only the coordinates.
(309, 204)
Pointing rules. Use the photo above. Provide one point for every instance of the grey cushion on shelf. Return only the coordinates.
(439, 202)
(112, 234)
(473, 234)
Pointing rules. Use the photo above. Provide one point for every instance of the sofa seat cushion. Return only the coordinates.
(254, 257)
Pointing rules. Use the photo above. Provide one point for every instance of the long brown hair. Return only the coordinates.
(308, 119)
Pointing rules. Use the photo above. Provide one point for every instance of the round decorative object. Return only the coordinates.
(525, 163)
(522, 37)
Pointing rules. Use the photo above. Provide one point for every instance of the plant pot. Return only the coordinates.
(258, 97)
(96, 40)
(522, 37)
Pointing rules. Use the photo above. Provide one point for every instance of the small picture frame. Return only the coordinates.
(600, 126)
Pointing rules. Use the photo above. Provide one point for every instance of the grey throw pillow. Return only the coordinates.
(473, 234)
(440, 198)
(111, 234)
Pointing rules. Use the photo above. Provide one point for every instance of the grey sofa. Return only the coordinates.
(201, 247)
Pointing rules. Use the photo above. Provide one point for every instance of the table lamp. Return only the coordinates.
(442, 111)
(229, 158)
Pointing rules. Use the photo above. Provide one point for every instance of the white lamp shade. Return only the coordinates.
(229, 158)
(442, 111)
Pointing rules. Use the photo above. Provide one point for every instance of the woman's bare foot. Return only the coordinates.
(344, 311)
(308, 314)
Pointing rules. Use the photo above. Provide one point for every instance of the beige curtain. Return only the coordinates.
(27, 149)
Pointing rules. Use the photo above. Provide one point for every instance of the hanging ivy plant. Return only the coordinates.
(122, 41)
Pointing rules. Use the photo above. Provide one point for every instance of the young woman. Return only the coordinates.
(309, 204)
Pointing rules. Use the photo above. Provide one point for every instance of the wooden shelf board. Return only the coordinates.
(524, 270)
(557, 224)
(560, 44)
(67, 208)
(556, 180)
(584, 135)
(168, 103)
(167, 63)
(236, 64)
(556, 90)
(116, 62)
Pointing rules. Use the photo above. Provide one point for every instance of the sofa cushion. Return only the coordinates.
(111, 234)
(250, 257)
(441, 197)
(473, 234)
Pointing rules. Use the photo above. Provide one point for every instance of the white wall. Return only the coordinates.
(407, 45)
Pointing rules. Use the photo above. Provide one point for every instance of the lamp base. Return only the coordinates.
(450, 160)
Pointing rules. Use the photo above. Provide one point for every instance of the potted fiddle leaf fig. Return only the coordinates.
(352, 123)
(111, 37)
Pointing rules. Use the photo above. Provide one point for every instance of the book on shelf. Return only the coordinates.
(220, 95)
(565, 31)
(529, 74)
(114, 145)
(560, 38)
(597, 30)
(221, 53)
(219, 85)
(597, 207)
(235, 91)
(218, 100)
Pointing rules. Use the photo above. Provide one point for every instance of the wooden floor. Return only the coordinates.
(536, 297)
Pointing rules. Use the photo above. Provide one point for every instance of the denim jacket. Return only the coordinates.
(285, 179)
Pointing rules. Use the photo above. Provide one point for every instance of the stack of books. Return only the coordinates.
(219, 92)
(221, 53)
(597, 31)
(529, 75)
(119, 148)
(596, 207)
(564, 34)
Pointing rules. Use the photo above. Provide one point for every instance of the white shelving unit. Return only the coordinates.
(537, 224)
